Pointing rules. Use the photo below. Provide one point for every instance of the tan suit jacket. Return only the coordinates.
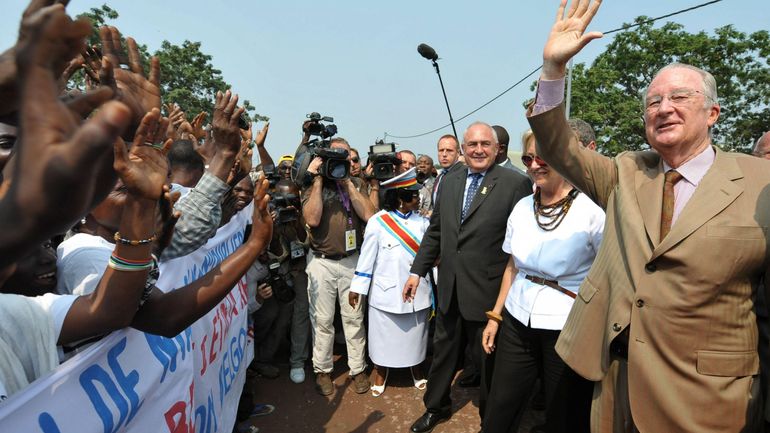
(689, 300)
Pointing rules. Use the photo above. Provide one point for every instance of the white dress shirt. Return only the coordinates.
(564, 255)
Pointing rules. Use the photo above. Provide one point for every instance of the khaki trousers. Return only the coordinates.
(329, 282)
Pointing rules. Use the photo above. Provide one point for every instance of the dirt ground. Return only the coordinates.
(300, 409)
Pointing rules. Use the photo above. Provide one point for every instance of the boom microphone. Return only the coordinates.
(426, 51)
(429, 53)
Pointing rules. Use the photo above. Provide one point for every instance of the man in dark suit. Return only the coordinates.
(466, 230)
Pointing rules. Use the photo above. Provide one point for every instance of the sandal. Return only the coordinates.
(377, 390)
(420, 384)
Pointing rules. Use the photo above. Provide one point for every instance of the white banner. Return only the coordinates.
(136, 382)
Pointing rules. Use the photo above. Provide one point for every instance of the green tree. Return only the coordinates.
(608, 93)
(187, 77)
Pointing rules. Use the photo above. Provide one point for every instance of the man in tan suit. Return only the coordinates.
(665, 320)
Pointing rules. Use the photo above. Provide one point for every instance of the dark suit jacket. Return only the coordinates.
(472, 259)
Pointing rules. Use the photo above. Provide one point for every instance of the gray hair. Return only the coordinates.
(709, 83)
(583, 130)
(339, 140)
(477, 123)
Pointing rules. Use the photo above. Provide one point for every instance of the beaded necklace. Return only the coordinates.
(548, 217)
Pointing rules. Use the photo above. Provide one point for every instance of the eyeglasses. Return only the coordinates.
(355, 159)
(527, 161)
(677, 98)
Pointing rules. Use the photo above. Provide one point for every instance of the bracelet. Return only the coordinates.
(133, 242)
(120, 264)
(491, 315)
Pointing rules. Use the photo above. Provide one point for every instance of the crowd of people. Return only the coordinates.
(631, 288)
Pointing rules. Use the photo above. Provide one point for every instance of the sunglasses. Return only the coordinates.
(527, 161)
(354, 160)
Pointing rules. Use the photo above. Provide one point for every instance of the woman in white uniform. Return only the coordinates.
(398, 331)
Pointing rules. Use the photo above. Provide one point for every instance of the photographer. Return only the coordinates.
(287, 253)
(335, 212)
(385, 163)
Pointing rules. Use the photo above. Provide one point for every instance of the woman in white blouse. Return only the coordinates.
(397, 331)
(552, 237)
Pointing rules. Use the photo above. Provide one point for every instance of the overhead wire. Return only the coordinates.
(619, 29)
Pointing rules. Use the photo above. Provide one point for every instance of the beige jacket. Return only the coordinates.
(689, 300)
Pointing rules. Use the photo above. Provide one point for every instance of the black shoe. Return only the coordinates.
(428, 421)
(472, 381)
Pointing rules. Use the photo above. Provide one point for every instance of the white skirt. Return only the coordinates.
(397, 340)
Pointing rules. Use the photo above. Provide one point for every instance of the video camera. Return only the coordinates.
(282, 284)
(271, 175)
(384, 160)
(335, 161)
(285, 206)
(314, 127)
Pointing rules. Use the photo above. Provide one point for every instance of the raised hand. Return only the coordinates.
(197, 125)
(262, 224)
(69, 71)
(242, 165)
(92, 66)
(247, 135)
(567, 36)
(262, 135)
(224, 128)
(144, 168)
(176, 117)
(53, 183)
(140, 93)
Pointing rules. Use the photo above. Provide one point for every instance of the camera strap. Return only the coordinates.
(350, 233)
(345, 204)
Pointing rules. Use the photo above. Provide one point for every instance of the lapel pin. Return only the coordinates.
(484, 191)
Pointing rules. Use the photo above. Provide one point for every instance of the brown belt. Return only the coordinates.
(552, 284)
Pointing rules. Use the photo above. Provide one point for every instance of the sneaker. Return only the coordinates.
(266, 370)
(262, 410)
(324, 385)
(361, 383)
(297, 374)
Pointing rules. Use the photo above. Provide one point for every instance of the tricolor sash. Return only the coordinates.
(407, 239)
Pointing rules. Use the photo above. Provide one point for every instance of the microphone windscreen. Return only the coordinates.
(426, 51)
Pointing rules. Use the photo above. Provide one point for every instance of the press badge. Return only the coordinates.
(350, 240)
(297, 250)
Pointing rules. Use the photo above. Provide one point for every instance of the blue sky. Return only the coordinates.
(357, 61)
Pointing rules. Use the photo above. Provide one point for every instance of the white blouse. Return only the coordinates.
(564, 255)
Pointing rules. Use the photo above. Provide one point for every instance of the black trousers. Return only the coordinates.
(520, 350)
(449, 341)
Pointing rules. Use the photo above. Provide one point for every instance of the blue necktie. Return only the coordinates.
(474, 186)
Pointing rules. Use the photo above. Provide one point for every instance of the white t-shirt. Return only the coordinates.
(29, 330)
(80, 262)
(564, 255)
